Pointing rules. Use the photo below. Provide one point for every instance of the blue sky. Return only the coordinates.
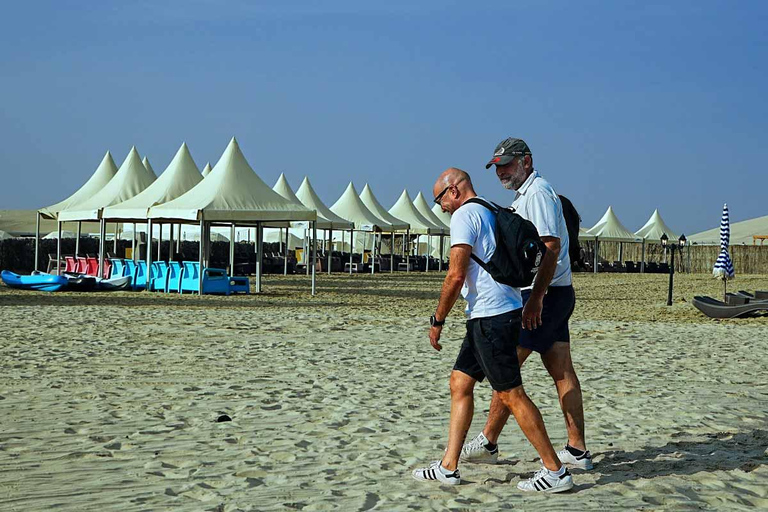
(632, 104)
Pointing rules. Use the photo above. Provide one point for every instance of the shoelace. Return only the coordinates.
(472, 445)
(540, 474)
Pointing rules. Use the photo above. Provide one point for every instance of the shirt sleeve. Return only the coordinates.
(463, 229)
(543, 211)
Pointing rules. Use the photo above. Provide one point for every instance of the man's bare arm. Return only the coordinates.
(532, 309)
(454, 280)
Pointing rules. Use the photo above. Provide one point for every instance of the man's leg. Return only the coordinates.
(499, 413)
(529, 419)
(462, 408)
(557, 361)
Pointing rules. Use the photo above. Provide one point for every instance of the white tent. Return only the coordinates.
(148, 166)
(179, 177)
(53, 235)
(609, 228)
(326, 219)
(232, 194)
(373, 204)
(420, 225)
(350, 207)
(445, 217)
(654, 228)
(742, 233)
(131, 178)
(423, 207)
(207, 169)
(274, 236)
(101, 176)
(5, 236)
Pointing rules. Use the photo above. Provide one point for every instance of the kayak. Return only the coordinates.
(39, 282)
(84, 283)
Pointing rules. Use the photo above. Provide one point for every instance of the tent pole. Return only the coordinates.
(306, 250)
(114, 242)
(392, 254)
(407, 245)
(329, 234)
(149, 252)
(642, 258)
(159, 241)
(102, 245)
(134, 256)
(170, 243)
(37, 242)
(58, 250)
(285, 254)
(200, 257)
(429, 250)
(351, 234)
(178, 241)
(77, 238)
(440, 261)
(373, 253)
(259, 255)
(232, 250)
(595, 269)
(314, 254)
(280, 237)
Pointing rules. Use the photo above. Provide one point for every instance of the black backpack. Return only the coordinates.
(572, 221)
(519, 250)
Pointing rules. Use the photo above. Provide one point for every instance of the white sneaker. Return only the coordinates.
(433, 473)
(583, 461)
(475, 451)
(543, 481)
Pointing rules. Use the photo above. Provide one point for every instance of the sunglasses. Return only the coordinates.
(441, 194)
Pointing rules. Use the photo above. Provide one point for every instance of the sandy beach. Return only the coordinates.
(110, 401)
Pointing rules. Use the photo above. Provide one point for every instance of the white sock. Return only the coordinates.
(445, 471)
(559, 472)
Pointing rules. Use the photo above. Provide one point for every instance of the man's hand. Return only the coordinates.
(434, 337)
(532, 313)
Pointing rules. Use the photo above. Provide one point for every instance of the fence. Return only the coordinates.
(747, 259)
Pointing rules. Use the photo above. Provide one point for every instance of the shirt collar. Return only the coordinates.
(527, 183)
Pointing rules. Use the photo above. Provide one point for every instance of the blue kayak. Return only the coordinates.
(40, 282)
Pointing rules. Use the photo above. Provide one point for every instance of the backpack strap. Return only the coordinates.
(495, 209)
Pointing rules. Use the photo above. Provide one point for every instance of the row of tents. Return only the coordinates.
(229, 194)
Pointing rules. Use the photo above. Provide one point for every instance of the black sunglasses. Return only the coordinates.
(441, 194)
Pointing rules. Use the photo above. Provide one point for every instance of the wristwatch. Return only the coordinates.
(434, 322)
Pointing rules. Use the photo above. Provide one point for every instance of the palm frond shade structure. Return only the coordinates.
(723, 266)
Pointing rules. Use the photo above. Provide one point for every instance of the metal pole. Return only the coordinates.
(178, 241)
(58, 250)
(133, 244)
(159, 241)
(200, 257)
(170, 244)
(642, 260)
(149, 252)
(314, 254)
(442, 243)
(671, 276)
(114, 243)
(37, 242)
(232, 250)
(429, 250)
(102, 245)
(596, 248)
(392, 254)
(77, 238)
(373, 253)
(408, 253)
(351, 235)
(285, 254)
(259, 255)
(329, 234)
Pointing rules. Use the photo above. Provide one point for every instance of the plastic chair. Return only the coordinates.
(117, 268)
(239, 284)
(92, 264)
(107, 270)
(71, 263)
(215, 280)
(173, 282)
(140, 276)
(82, 265)
(159, 280)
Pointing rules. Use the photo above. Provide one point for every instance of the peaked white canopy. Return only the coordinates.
(326, 219)
(284, 189)
(53, 235)
(609, 228)
(421, 205)
(179, 177)
(654, 228)
(370, 202)
(350, 207)
(741, 232)
(148, 165)
(131, 178)
(231, 192)
(6, 236)
(404, 209)
(101, 176)
(207, 169)
(444, 217)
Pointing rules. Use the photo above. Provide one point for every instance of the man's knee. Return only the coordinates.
(557, 360)
(461, 384)
(512, 397)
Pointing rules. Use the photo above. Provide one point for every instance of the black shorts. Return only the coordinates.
(490, 350)
(558, 308)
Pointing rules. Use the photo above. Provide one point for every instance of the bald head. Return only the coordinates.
(453, 187)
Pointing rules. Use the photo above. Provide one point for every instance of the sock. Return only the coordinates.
(559, 472)
(445, 471)
(490, 446)
(574, 451)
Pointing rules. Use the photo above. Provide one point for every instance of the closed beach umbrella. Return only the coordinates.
(723, 266)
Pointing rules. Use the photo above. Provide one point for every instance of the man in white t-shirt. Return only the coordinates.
(548, 306)
(489, 348)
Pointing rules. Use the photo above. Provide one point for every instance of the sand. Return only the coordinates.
(109, 402)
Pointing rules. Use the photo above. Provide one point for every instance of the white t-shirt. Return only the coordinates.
(474, 225)
(537, 201)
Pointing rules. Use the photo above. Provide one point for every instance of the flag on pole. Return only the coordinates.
(723, 266)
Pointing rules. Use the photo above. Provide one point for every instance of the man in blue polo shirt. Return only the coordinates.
(548, 306)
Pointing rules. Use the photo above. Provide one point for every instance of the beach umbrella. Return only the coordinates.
(723, 266)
